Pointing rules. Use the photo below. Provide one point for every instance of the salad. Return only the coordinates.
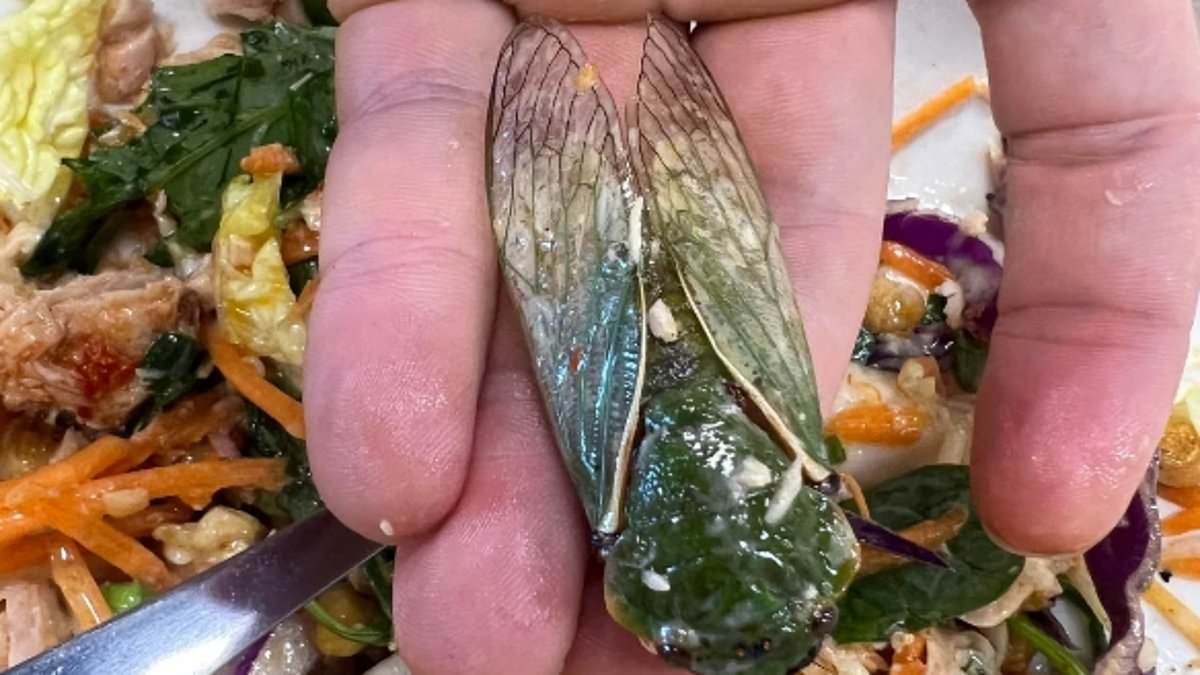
(159, 222)
(159, 225)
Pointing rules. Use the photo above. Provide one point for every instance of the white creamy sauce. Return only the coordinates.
(662, 322)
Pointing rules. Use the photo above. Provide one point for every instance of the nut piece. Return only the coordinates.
(221, 534)
(1180, 453)
(894, 307)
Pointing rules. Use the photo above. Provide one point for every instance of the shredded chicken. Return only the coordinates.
(32, 621)
(74, 348)
(129, 47)
(250, 10)
(1040, 576)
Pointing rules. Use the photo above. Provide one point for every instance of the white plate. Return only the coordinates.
(946, 168)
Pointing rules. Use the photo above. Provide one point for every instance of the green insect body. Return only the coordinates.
(667, 343)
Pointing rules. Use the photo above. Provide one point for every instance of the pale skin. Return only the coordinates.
(422, 411)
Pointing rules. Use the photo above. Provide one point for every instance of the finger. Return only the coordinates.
(399, 332)
(816, 126)
(602, 647)
(496, 589)
(618, 11)
(1100, 101)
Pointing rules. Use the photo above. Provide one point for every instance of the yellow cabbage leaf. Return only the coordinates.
(255, 304)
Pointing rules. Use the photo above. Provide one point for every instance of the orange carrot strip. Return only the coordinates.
(909, 657)
(1175, 612)
(928, 273)
(118, 549)
(185, 424)
(879, 423)
(143, 523)
(1187, 497)
(1188, 568)
(929, 533)
(231, 362)
(1183, 521)
(199, 478)
(28, 552)
(14, 525)
(82, 465)
(928, 112)
(78, 586)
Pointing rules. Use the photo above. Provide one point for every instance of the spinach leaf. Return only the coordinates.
(912, 597)
(834, 449)
(169, 367)
(202, 119)
(299, 274)
(970, 356)
(378, 572)
(299, 498)
(863, 344)
(378, 634)
(935, 309)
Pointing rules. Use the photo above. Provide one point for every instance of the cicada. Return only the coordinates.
(666, 340)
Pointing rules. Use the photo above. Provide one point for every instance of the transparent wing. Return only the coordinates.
(710, 215)
(560, 193)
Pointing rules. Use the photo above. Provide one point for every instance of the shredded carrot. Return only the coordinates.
(1183, 521)
(928, 112)
(82, 465)
(1188, 568)
(304, 303)
(856, 493)
(928, 273)
(15, 525)
(71, 518)
(232, 364)
(879, 423)
(908, 658)
(1188, 497)
(1175, 612)
(185, 424)
(28, 552)
(196, 481)
(142, 523)
(929, 533)
(78, 586)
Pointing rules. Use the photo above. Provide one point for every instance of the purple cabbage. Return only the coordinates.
(1122, 566)
(880, 537)
(970, 259)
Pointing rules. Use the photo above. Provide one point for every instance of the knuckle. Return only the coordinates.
(418, 90)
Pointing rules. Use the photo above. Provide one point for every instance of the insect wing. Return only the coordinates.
(706, 207)
(561, 192)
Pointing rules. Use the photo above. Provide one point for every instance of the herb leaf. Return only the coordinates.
(1061, 659)
(912, 597)
(935, 309)
(970, 356)
(298, 499)
(202, 119)
(169, 367)
(378, 634)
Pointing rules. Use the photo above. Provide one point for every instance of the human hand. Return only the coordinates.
(422, 410)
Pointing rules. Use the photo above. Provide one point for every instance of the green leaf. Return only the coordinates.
(1061, 659)
(970, 356)
(122, 597)
(912, 597)
(299, 274)
(318, 13)
(160, 255)
(378, 634)
(378, 572)
(203, 118)
(169, 367)
(299, 498)
(834, 449)
(863, 344)
(935, 309)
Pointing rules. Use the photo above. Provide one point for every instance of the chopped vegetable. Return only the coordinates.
(249, 383)
(143, 523)
(254, 297)
(77, 468)
(201, 119)
(347, 622)
(918, 120)
(885, 546)
(169, 367)
(970, 357)
(1061, 659)
(78, 586)
(122, 597)
(194, 483)
(1175, 612)
(28, 552)
(1187, 497)
(1182, 522)
(928, 273)
(299, 498)
(884, 554)
(46, 54)
(879, 423)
